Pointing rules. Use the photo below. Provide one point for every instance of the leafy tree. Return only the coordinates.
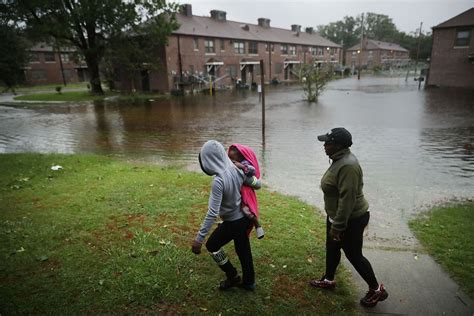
(379, 27)
(13, 55)
(343, 31)
(314, 80)
(89, 25)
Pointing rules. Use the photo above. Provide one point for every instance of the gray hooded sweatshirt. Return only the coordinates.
(225, 198)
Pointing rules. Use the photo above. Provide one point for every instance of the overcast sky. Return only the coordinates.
(406, 14)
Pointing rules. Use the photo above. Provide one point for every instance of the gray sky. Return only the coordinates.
(406, 14)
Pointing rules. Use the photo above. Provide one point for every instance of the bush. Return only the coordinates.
(58, 89)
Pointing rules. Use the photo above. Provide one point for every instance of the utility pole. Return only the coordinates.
(361, 44)
(418, 48)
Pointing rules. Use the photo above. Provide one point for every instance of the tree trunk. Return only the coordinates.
(92, 61)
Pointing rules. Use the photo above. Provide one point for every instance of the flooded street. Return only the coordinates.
(416, 147)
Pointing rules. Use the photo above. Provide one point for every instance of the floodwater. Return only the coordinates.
(416, 147)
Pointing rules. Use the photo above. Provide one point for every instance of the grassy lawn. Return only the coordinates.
(447, 233)
(106, 236)
(51, 87)
(64, 96)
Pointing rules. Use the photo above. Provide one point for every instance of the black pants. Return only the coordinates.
(236, 231)
(351, 243)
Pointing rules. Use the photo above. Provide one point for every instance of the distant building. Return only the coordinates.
(377, 54)
(48, 66)
(230, 52)
(452, 55)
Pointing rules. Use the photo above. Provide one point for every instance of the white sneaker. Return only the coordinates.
(260, 233)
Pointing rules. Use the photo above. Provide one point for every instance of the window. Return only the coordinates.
(239, 47)
(313, 51)
(278, 68)
(196, 43)
(65, 57)
(38, 74)
(222, 44)
(320, 51)
(292, 50)
(49, 57)
(462, 38)
(209, 45)
(284, 49)
(253, 48)
(68, 73)
(272, 47)
(353, 53)
(232, 70)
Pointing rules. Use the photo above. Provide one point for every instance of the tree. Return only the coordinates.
(341, 31)
(314, 79)
(13, 55)
(89, 25)
(379, 27)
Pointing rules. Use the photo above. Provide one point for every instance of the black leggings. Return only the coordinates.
(237, 231)
(351, 243)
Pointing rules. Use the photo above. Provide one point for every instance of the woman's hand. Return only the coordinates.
(335, 235)
(196, 247)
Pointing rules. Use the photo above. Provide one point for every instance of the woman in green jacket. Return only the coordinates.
(347, 215)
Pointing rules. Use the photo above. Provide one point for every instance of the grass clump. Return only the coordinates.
(105, 236)
(446, 232)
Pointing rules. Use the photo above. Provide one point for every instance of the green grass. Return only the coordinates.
(447, 233)
(106, 236)
(66, 96)
(51, 87)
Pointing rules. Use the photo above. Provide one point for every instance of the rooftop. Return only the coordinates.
(464, 19)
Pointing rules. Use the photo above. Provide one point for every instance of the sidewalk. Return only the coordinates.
(416, 285)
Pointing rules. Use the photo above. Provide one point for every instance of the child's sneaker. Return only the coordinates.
(260, 232)
(374, 296)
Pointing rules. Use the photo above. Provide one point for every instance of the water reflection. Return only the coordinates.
(416, 147)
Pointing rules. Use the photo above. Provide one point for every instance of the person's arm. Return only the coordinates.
(347, 183)
(246, 167)
(215, 200)
(253, 182)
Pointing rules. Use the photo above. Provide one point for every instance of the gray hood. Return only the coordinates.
(213, 158)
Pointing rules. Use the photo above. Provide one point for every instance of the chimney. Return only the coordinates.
(296, 28)
(309, 30)
(263, 22)
(187, 10)
(218, 15)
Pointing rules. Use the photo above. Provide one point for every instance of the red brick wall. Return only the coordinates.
(449, 65)
(193, 60)
(50, 71)
(377, 56)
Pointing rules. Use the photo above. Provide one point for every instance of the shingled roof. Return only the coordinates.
(464, 19)
(374, 45)
(209, 27)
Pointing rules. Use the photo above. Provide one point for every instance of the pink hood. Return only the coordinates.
(249, 197)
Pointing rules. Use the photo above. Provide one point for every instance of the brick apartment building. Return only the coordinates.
(452, 55)
(230, 52)
(376, 54)
(50, 66)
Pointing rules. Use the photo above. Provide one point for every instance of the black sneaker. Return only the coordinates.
(323, 283)
(228, 283)
(374, 296)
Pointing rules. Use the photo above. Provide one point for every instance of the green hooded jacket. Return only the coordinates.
(342, 186)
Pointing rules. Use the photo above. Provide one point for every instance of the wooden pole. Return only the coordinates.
(361, 44)
(262, 82)
(418, 48)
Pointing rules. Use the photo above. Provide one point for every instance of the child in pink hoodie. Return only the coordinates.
(245, 159)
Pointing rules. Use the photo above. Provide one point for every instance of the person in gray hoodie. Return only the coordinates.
(225, 202)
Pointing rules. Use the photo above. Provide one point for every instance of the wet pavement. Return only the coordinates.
(416, 149)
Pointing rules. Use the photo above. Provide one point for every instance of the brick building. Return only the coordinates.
(48, 66)
(230, 52)
(452, 55)
(377, 54)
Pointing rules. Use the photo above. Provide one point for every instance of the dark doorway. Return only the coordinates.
(145, 81)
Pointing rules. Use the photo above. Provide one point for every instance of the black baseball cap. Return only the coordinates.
(338, 135)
